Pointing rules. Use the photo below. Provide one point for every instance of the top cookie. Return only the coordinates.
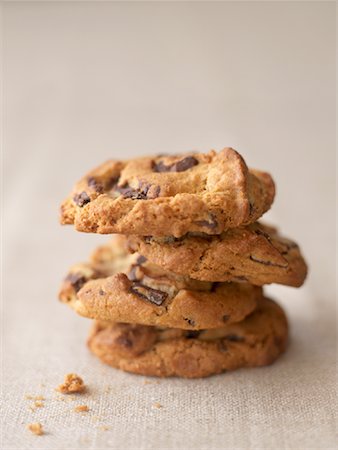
(169, 195)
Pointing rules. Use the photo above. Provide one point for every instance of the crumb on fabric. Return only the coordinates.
(103, 428)
(157, 405)
(81, 408)
(38, 404)
(35, 428)
(34, 397)
(73, 383)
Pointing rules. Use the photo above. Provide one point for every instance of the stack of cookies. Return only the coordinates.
(178, 291)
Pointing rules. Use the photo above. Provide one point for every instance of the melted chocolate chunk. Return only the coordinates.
(111, 184)
(211, 223)
(190, 321)
(260, 232)
(192, 334)
(151, 295)
(81, 199)
(234, 338)
(179, 166)
(76, 280)
(135, 194)
(96, 185)
(251, 209)
(124, 341)
(140, 260)
(268, 263)
(132, 275)
(184, 164)
(144, 192)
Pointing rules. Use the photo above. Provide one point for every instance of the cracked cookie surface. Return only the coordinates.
(123, 287)
(169, 195)
(256, 341)
(255, 253)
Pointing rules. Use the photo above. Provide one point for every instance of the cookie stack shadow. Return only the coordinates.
(178, 290)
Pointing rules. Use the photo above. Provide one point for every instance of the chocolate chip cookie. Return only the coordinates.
(169, 195)
(121, 287)
(256, 341)
(255, 253)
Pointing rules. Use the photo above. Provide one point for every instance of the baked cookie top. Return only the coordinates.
(256, 341)
(169, 195)
(256, 253)
(120, 287)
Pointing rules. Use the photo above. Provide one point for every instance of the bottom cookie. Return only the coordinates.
(164, 352)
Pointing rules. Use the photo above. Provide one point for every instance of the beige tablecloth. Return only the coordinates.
(89, 81)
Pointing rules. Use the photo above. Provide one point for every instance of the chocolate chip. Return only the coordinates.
(260, 232)
(111, 183)
(144, 192)
(135, 194)
(225, 318)
(132, 275)
(141, 259)
(234, 338)
(192, 334)
(190, 321)
(211, 223)
(81, 199)
(179, 166)
(160, 167)
(251, 209)
(185, 164)
(169, 239)
(268, 263)
(76, 280)
(152, 295)
(124, 341)
(96, 185)
(101, 292)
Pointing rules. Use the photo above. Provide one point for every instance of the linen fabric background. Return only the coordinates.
(88, 81)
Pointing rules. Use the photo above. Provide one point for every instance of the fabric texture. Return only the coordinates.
(89, 81)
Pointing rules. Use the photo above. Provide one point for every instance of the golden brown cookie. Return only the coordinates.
(120, 287)
(169, 195)
(256, 341)
(255, 253)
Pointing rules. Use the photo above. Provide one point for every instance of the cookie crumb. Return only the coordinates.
(103, 428)
(81, 408)
(72, 383)
(38, 404)
(157, 405)
(34, 397)
(151, 382)
(35, 428)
